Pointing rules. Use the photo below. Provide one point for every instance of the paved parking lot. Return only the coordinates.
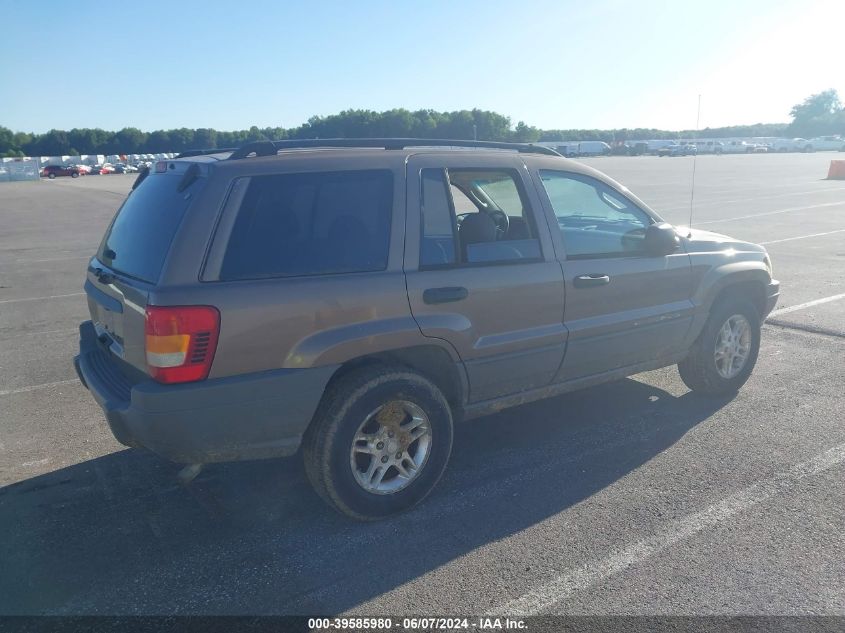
(631, 498)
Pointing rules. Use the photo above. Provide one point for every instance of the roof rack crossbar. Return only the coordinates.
(188, 153)
(270, 148)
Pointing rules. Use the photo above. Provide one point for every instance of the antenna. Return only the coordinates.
(694, 159)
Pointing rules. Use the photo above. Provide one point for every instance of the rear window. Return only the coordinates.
(311, 224)
(139, 237)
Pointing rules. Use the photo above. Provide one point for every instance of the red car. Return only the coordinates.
(102, 169)
(51, 171)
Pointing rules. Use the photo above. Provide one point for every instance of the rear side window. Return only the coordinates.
(311, 224)
(139, 237)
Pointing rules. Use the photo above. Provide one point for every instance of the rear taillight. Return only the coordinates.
(180, 342)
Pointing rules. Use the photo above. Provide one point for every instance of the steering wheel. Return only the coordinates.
(500, 219)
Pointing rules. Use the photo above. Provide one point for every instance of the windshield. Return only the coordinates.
(139, 237)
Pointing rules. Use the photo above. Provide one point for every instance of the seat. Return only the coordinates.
(518, 229)
(476, 228)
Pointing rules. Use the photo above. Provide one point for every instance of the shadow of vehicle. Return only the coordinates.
(118, 535)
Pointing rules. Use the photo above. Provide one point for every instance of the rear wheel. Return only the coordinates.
(379, 442)
(51, 175)
(722, 358)
(74, 174)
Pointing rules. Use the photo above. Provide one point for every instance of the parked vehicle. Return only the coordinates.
(53, 171)
(246, 304)
(709, 147)
(654, 146)
(83, 169)
(593, 148)
(121, 168)
(760, 148)
(678, 150)
(638, 148)
(825, 143)
(737, 147)
(787, 145)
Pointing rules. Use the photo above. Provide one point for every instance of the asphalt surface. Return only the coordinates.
(636, 497)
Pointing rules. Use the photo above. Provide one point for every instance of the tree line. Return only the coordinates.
(818, 114)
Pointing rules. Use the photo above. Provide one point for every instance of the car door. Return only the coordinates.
(623, 306)
(496, 295)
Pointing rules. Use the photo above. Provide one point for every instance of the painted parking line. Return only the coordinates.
(72, 294)
(802, 237)
(778, 212)
(808, 304)
(51, 259)
(572, 581)
(44, 385)
(715, 203)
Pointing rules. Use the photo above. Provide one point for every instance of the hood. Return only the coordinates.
(698, 241)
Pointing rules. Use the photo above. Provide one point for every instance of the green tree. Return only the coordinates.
(821, 113)
(817, 105)
(129, 140)
(254, 134)
(53, 143)
(7, 141)
(205, 138)
(181, 139)
(157, 141)
(524, 133)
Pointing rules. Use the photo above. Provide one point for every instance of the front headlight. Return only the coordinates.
(768, 263)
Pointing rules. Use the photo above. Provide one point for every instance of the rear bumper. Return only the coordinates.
(772, 295)
(251, 416)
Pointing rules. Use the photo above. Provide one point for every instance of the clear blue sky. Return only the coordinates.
(555, 64)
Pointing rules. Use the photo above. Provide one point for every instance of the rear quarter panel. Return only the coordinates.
(293, 322)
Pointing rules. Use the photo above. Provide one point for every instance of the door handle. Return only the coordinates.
(591, 281)
(444, 295)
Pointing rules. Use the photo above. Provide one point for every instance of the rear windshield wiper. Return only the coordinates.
(104, 277)
(191, 174)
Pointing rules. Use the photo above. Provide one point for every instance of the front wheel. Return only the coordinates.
(722, 358)
(379, 442)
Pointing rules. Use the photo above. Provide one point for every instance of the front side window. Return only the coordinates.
(311, 224)
(594, 220)
(474, 216)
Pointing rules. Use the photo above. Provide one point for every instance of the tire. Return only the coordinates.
(356, 404)
(74, 174)
(699, 370)
(51, 176)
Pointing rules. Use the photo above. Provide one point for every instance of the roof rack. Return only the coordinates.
(271, 148)
(205, 152)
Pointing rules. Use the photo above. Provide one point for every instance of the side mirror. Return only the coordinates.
(661, 239)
